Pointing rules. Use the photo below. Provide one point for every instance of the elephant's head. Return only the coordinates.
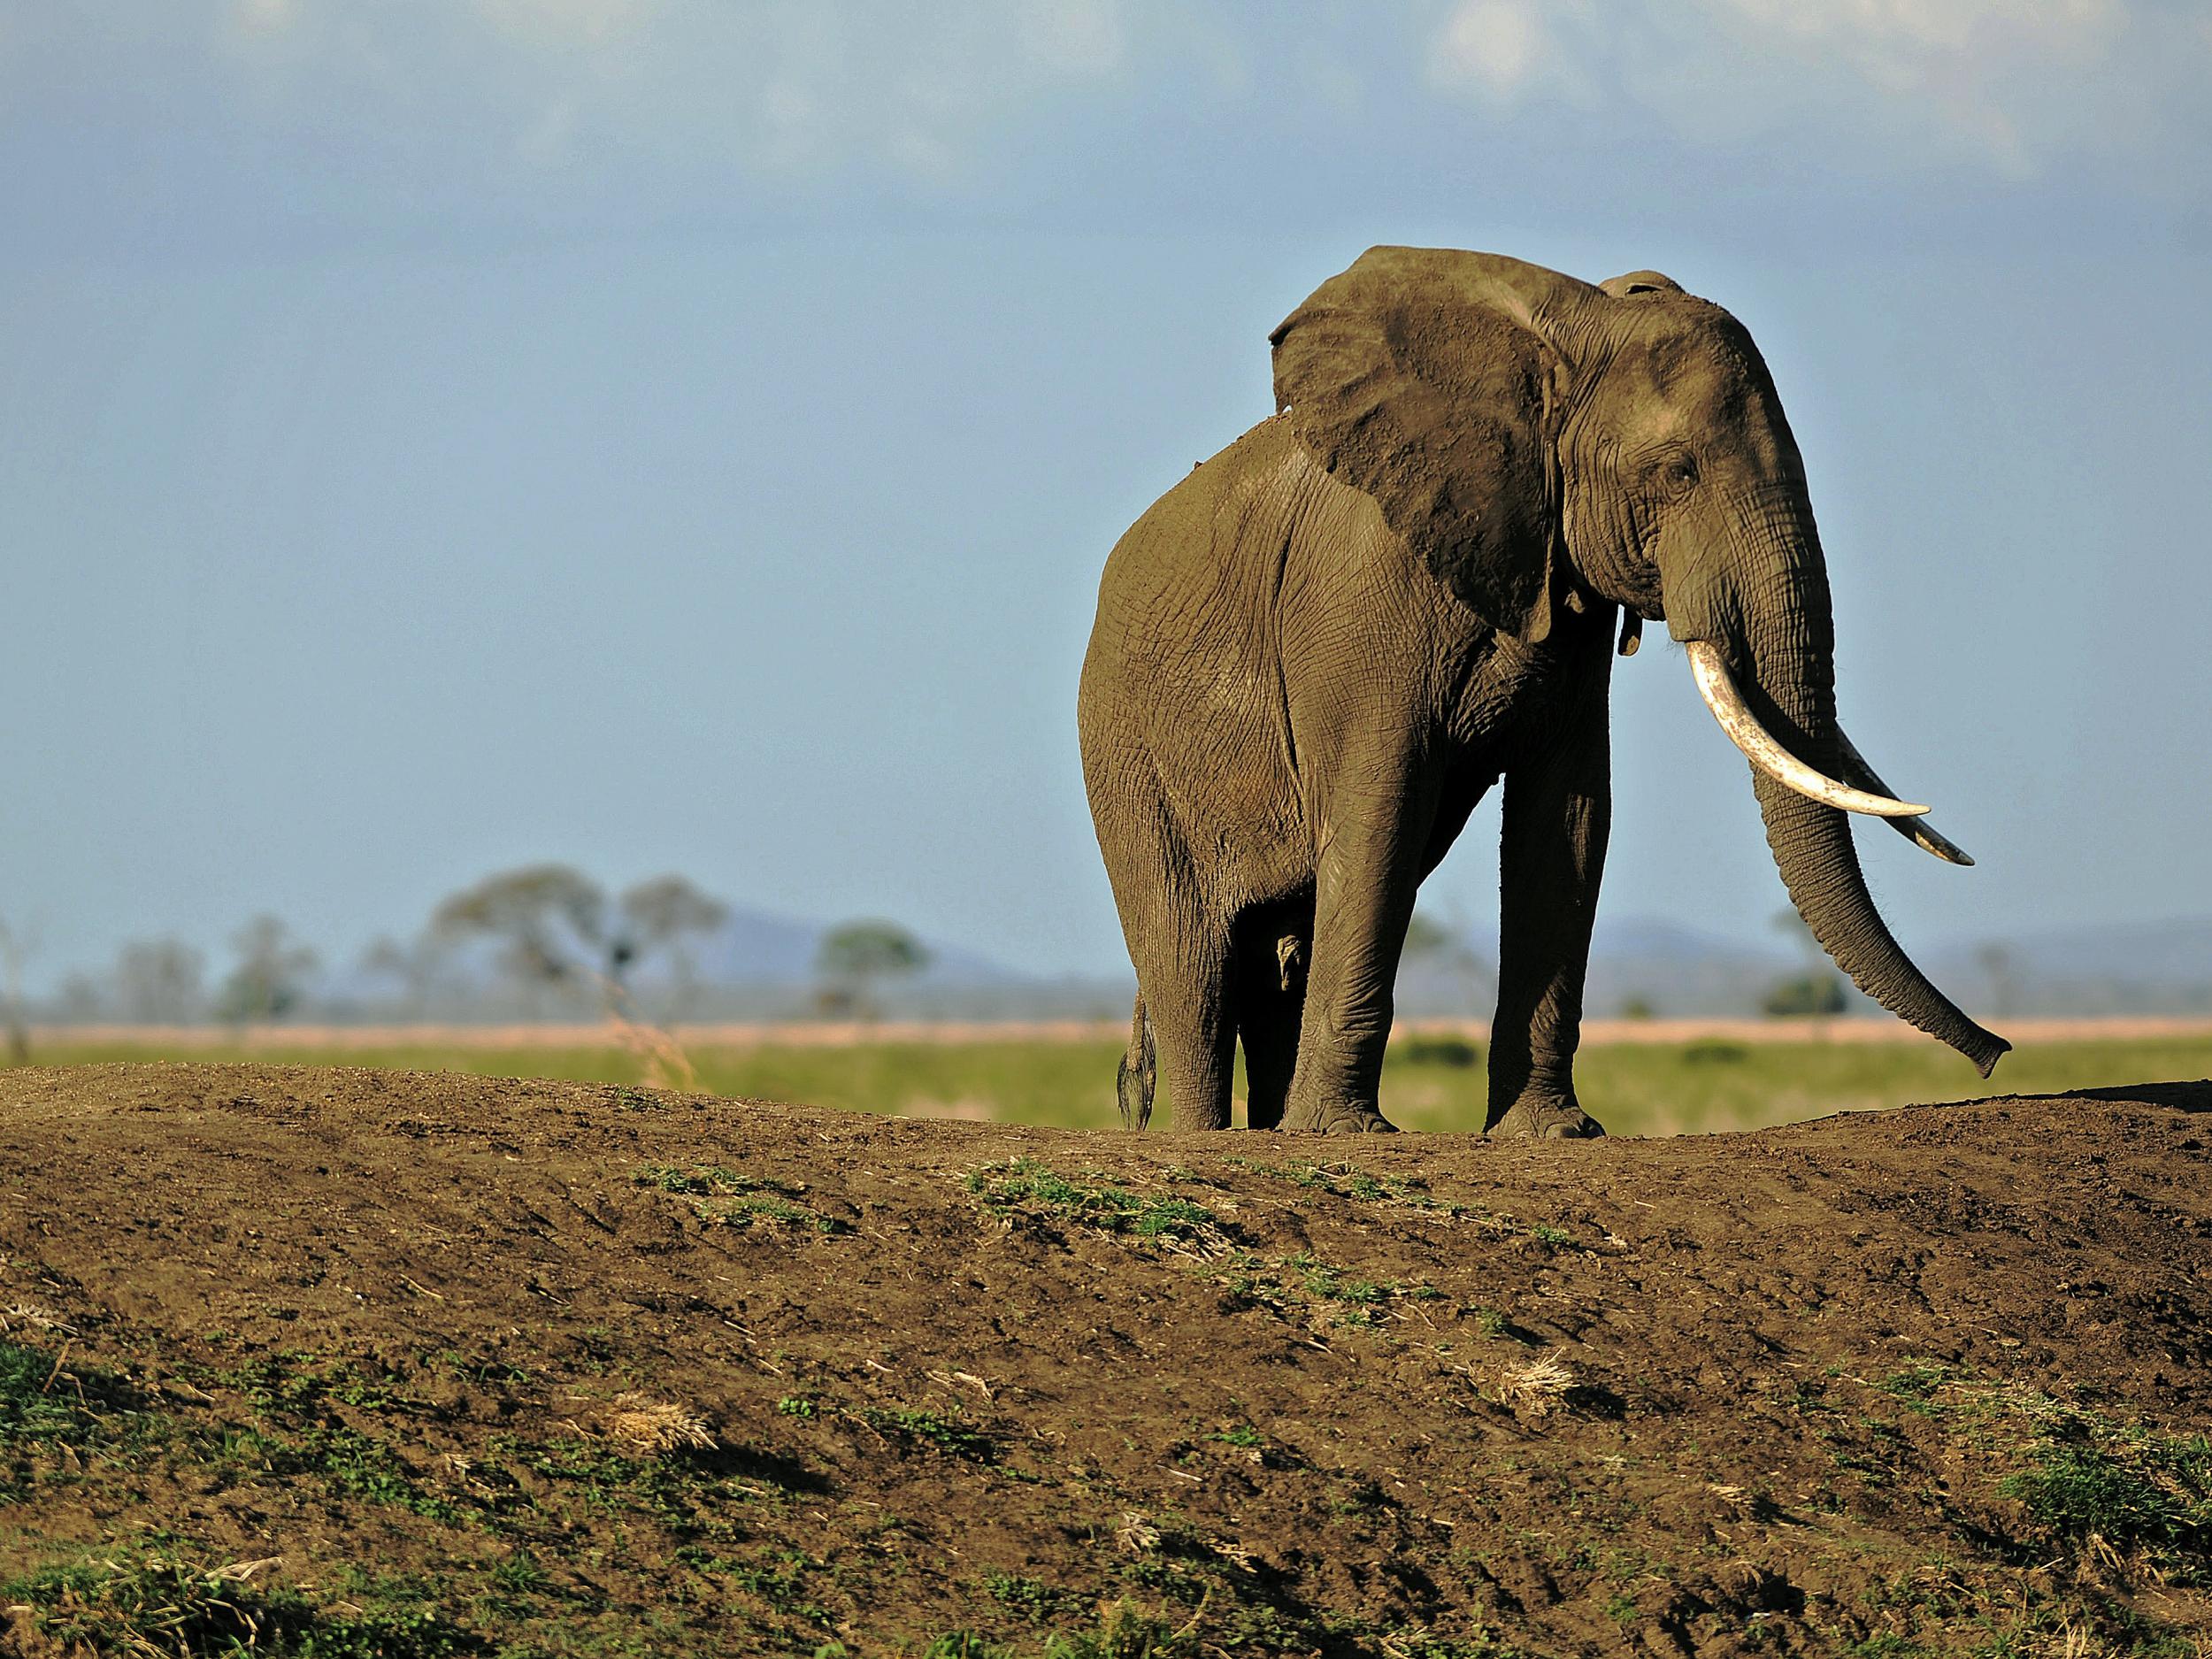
(1547, 443)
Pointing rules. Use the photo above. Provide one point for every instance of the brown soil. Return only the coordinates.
(447, 1346)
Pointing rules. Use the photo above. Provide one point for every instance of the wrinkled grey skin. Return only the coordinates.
(1315, 654)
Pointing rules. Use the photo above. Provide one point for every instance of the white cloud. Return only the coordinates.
(258, 17)
(1074, 37)
(2006, 83)
(1494, 44)
(778, 87)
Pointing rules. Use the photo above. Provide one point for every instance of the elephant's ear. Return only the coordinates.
(1428, 378)
(1620, 288)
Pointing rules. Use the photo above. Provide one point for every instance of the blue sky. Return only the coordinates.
(436, 436)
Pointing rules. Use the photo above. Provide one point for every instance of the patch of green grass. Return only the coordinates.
(1032, 1598)
(1714, 1051)
(966, 1644)
(2093, 1479)
(1344, 1181)
(778, 1578)
(299, 1383)
(947, 1433)
(30, 1410)
(1491, 1321)
(1024, 1186)
(1286, 1285)
(354, 1464)
(1917, 1385)
(153, 1604)
(1124, 1631)
(49, 1405)
(725, 1198)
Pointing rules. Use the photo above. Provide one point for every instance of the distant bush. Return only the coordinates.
(1715, 1051)
(1449, 1051)
(1810, 994)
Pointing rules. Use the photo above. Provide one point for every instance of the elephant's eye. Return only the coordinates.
(1681, 470)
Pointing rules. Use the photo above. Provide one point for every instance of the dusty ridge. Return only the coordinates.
(1796, 1391)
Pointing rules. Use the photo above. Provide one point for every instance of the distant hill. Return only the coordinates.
(761, 947)
(2128, 967)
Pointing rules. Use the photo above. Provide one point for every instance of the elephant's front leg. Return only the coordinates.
(1365, 879)
(1558, 809)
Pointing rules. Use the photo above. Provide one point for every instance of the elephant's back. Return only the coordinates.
(1182, 681)
(1186, 585)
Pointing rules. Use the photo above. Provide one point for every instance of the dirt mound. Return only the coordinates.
(381, 1363)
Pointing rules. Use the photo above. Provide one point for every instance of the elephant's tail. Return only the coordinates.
(1139, 1070)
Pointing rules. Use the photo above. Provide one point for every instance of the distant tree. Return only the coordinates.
(854, 958)
(77, 1001)
(1442, 948)
(658, 916)
(413, 968)
(1807, 993)
(1995, 961)
(556, 931)
(17, 946)
(1637, 1006)
(1427, 938)
(551, 921)
(1817, 991)
(270, 979)
(158, 982)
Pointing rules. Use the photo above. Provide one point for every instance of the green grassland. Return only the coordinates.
(1434, 1084)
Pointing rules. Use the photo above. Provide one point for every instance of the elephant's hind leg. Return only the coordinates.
(1184, 992)
(1270, 946)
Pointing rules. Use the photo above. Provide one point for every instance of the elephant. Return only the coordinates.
(1317, 651)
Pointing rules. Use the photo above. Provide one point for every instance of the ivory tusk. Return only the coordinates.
(1718, 689)
(1919, 832)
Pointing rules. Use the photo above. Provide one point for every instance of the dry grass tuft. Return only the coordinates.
(1534, 1386)
(1136, 1533)
(643, 1425)
(34, 1317)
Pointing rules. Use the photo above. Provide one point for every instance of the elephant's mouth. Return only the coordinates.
(1862, 790)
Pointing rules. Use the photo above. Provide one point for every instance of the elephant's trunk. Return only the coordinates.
(1784, 651)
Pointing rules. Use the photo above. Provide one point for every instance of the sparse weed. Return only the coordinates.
(151, 1604)
(1341, 1180)
(724, 1198)
(966, 1644)
(1034, 1600)
(946, 1432)
(1455, 1053)
(1303, 1284)
(1714, 1051)
(1124, 1631)
(43, 1404)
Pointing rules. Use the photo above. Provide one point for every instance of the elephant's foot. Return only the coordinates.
(1338, 1117)
(1546, 1120)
